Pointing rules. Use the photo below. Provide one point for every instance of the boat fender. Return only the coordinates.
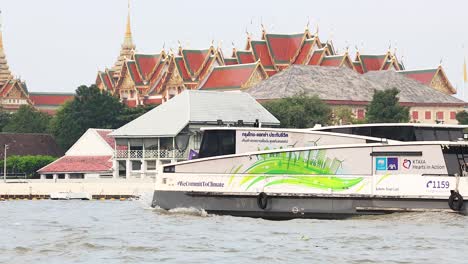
(262, 200)
(455, 201)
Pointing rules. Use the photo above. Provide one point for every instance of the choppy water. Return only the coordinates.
(131, 232)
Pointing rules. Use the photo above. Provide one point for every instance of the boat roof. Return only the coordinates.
(391, 124)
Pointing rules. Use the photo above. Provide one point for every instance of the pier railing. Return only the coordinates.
(151, 154)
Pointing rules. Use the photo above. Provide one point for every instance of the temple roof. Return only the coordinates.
(341, 84)
(127, 49)
(306, 49)
(5, 73)
(50, 99)
(230, 77)
(428, 77)
(284, 47)
(245, 56)
(195, 59)
(261, 52)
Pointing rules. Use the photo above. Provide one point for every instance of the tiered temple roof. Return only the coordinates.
(161, 76)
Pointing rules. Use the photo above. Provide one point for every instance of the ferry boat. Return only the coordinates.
(245, 172)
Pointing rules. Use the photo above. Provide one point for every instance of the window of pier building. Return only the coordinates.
(415, 115)
(427, 115)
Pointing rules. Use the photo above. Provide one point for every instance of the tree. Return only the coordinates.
(300, 111)
(128, 114)
(462, 117)
(27, 120)
(4, 118)
(91, 108)
(26, 164)
(385, 108)
(343, 116)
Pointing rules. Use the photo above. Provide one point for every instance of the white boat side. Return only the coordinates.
(321, 181)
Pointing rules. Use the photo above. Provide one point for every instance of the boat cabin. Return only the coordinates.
(402, 131)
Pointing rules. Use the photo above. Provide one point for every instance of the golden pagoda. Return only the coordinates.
(127, 49)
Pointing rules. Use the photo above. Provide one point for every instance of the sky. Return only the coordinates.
(57, 45)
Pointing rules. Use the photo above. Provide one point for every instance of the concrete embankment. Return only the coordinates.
(98, 188)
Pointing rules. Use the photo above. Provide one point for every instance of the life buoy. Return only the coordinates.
(262, 200)
(455, 201)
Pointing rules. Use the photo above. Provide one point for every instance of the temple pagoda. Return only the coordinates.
(141, 79)
(13, 91)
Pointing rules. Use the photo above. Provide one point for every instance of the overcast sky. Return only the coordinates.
(57, 45)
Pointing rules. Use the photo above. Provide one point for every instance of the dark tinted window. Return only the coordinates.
(217, 143)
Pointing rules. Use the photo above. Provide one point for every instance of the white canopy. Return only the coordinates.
(196, 107)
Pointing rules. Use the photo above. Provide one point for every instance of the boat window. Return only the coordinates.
(363, 131)
(456, 134)
(217, 143)
(400, 133)
(442, 134)
(425, 134)
(343, 130)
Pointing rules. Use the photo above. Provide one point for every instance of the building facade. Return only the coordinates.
(171, 132)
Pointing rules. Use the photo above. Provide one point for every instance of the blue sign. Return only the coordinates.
(381, 164)
(392, 163)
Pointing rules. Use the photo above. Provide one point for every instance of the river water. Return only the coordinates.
(131, 232)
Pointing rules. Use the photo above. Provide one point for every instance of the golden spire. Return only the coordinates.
(1, 37)
(128, 41)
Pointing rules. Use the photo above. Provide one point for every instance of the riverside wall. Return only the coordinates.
(98, 188)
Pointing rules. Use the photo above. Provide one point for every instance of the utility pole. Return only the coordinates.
(4, 163)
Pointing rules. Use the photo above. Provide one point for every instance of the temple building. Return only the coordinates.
(14, 92)
(141, 79)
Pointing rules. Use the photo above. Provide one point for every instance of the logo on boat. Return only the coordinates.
(406, 164)
(384, 164)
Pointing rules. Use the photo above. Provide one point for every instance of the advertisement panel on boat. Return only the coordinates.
(257, 140)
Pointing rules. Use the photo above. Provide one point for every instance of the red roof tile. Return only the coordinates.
(194, 59)
(230, 61)
(227, 77)
(50, 98)
(260, 50)
(284, 48)
(422, 76)
(372, 62)
(105, 135)
(316, 57)
(179, 61)
(245, 57)
(358, 67)
(305, 51)
(146, 64)
(334, 61)
(79, 164)
(134, 74)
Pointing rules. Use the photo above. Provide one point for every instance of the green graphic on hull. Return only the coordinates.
(283, 169)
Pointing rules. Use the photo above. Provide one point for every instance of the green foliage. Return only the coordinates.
(91, 108)
(4, 118)
(299, 111)
(27, 120)
(462, 117)
(343, 116)
(129, 114)
(26, 164)
(385, 108)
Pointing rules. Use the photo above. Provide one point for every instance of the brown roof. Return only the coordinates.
(343, 84)
(29, 144)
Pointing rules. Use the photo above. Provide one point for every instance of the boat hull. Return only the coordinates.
(284, 206)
